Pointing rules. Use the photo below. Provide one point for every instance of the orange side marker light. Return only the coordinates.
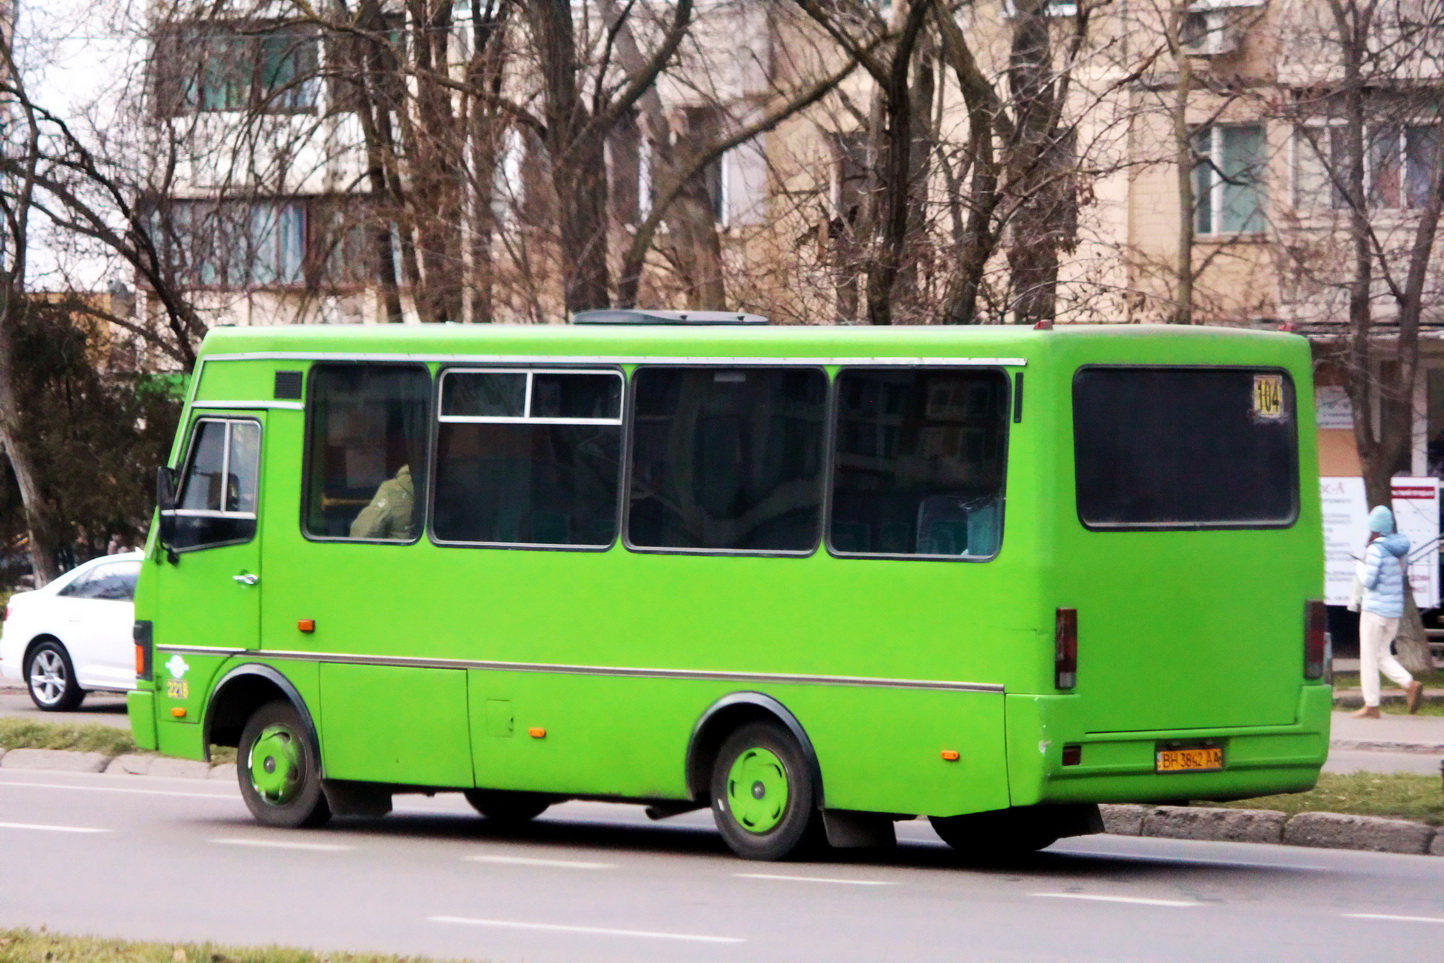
(178, 712)
(537, 732)
(306, 625)
(951, 755)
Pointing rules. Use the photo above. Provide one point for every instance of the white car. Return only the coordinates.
(74, 635)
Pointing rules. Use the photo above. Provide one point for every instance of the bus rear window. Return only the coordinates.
(1163, 448)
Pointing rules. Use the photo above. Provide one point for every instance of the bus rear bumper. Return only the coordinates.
(140, 709)
(1119, 767)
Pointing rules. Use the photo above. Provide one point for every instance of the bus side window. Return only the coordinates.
(727, 459)
(366, 451)
(528, 457)
(919, 463)
(218, 489)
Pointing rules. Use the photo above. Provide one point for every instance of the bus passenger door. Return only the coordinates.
(210, 596)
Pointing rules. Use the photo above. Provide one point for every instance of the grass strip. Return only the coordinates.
(1395, 795)
(1350, 680)
(1392, 707)
(79, 736)
(82, 737)
(32, 946)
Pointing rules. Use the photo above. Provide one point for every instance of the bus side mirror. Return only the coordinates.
(165, 479)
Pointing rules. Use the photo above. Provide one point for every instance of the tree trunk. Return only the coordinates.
(38, 513)
(1183, 152)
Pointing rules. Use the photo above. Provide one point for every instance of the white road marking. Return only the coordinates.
(53, 829)
(594, 930)
(279, 844)
(1398, 919)
(1141, 901)
(816, 879)
(1242, 864)
(139, 792)
(528, 861)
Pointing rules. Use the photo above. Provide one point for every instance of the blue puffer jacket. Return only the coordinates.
(1383, 576)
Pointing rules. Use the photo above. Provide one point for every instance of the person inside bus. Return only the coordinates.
(1381, 574)
(388, 515)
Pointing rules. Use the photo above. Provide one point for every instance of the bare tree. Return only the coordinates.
(1366, 127)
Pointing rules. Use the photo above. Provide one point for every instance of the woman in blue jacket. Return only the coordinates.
(1382, 575)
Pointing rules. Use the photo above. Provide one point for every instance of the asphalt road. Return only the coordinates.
(167, 859)
(107, 708)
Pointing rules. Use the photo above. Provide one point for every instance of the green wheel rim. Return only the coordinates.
(757, 790)
(275, 765)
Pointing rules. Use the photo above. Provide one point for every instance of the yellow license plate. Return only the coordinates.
(1189, 760)
(177, 688)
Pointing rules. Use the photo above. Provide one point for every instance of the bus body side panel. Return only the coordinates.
(879, 749)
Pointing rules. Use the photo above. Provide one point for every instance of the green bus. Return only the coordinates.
(819, 579)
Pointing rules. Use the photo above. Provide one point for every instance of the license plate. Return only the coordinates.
(1201, 759)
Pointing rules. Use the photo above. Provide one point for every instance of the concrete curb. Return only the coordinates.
(55, 759)
(1313, 829)
(132, 764)
(1319, 830)
(1371, 745)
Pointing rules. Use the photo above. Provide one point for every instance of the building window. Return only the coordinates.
(316, 242)
(237, 66)
(238, 243)
(849, 174)
(1400, 161)
(1229, 161)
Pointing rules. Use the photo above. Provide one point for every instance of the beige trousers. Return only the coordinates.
(1375, 635)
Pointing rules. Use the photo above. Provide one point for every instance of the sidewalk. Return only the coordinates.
(1390, 733)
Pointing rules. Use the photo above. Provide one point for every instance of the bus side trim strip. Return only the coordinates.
(545, 359)
(286, 405)
(701, 675)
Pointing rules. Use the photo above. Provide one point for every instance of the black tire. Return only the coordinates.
(765, 753)
(1000, 835)
(50, 678)
(508, 809)
(292, 799)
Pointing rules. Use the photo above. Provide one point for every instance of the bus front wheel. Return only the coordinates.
(279, 769)
(764, 796)
(507, 809)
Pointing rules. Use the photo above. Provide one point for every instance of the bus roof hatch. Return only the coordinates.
(633, 316)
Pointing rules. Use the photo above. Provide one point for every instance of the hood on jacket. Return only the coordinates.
(1395, 544)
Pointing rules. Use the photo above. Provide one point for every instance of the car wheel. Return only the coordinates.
(279, 769)
(508, 809)
(50, 677)
(764, 796)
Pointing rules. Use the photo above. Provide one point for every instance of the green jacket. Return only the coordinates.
(389, 514)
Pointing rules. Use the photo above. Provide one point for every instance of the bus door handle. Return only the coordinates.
(247, 578)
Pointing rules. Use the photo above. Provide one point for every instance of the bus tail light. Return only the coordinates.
(144, 635)
(1065, 649)
(1316, 639)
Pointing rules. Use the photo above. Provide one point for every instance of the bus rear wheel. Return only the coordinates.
(764, 796)
(508, 809)
(279, 769)
(1009, 833)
